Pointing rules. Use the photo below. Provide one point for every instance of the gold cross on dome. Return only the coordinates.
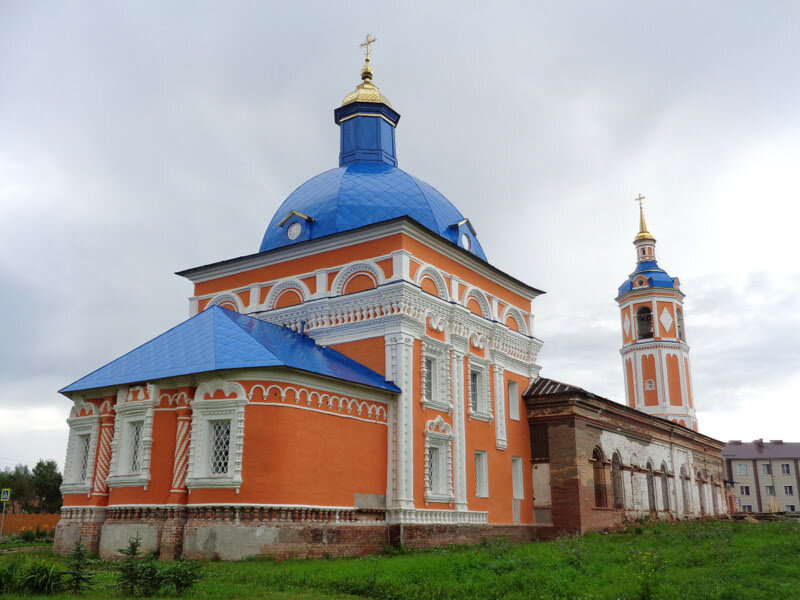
(639, 199)
(365, 44)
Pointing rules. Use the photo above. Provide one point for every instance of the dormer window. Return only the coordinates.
(466, 233)
(644, 323)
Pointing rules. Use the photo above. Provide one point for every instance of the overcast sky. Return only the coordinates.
(141, 138)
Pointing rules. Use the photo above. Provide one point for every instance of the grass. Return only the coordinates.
(662, 561)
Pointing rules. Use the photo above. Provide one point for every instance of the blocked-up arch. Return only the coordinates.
(664, 486)
(617, 487)
(227, 300)
(363, 269)
(515, 315)
(292, 287)
(476, 297)
(428, 273)
(599, 476)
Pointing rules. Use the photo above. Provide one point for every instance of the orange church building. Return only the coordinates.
(356, 382)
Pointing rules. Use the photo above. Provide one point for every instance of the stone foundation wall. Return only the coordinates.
(233, 533)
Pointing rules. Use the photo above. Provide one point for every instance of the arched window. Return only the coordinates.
(651, 488)
(616, 482)
(664, 486)
(644, 321)
(701, 492)
(685, 492)
(679, 320)
(598, 470)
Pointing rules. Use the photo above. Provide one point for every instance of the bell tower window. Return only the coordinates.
(644, 322)
(679, 319)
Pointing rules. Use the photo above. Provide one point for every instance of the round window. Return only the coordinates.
(465, 241)
(294, 230)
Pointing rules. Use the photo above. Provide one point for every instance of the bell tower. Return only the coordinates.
(655, 355)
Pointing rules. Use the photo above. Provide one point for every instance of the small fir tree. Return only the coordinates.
(80, 578)
(128, 567)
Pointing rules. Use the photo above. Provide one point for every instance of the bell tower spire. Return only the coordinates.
(655, 355)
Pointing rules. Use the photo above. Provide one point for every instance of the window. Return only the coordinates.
(664, 486)
(220, 447)
(516, 478)
(679, 319)
(644, 321)
(133, 438)
(435, 376)
(438, 461)
(741, 469)
(83, 460)
(791, 508)
(744, 490)
(430, 375)
(479, 405)
(616, 481)
(649, 385)
(217, 442)
(540, 446)
(512, 391)
(747, 508)
(598, 473)
(786, 469)
(81, 447)
(136, 447)
(788, 490)
(474, 386)
(766, 468)
(769, 490)
(481, 474)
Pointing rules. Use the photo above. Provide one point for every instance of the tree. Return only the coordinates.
(47, 484)
(20, 480)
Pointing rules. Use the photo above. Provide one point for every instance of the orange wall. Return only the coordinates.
(629, 377)
(649, 372)
(16, 523)
(674, 379)
(370, 352)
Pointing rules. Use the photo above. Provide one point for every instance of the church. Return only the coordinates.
(368, 378)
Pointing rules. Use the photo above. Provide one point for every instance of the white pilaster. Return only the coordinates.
(400, 370)
(499, 408)
(459, 435)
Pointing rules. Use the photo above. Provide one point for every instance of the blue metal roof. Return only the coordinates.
(363, 193)
(218, 338)
(656, 277)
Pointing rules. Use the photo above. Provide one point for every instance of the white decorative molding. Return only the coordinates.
(439, 379)
(480, 298)
(438, 466)
(226, 297)
(516, 314)
(501, 438)
(459, 427)
(399, 350)
(284, 286)
(343, 276)
(130, 412)
(666, 320)
(480, 408)
(204, 414)
(103, 459)
(322, 401)
(79, 428)
(437, 517)
(435, 276)
(210, 387)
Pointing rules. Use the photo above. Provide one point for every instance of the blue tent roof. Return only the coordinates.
(656, 277)
(219, 338)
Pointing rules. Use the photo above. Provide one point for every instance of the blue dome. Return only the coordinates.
(655, 276)
(363, 193)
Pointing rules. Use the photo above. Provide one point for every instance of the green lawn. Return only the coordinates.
(680, 561)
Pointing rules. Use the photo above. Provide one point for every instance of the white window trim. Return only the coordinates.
(484, 404)
(440, 392)
(439, 434)
(481, 474)
(513, 402)
(79, 426)
(204, 412)
(517, 485)
(128, 413)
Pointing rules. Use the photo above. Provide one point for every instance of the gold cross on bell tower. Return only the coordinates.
(365, 44)
(639, 199)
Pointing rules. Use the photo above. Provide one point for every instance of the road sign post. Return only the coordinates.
(5, 496)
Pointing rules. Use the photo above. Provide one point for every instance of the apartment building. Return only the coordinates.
(765, 475)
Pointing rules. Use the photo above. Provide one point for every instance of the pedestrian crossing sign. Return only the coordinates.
(5, 495)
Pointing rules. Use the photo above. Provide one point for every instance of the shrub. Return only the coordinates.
(27, 534)
(77, 569)
(10, 576)
(179, 576)
(41, 577)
